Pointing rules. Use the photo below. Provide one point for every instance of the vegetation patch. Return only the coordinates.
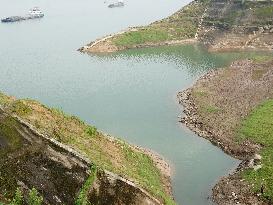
(258, 74)
(199, 93)
(261, 58)
(20, 108)
(140, 37)
(211, 109)
(34, 198)
(10, 135)
(145, 172)
(258, 126)
(264, 12)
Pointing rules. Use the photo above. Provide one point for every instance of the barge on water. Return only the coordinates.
(34, 13)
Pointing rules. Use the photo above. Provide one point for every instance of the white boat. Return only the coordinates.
(116, 4)
(35, 13)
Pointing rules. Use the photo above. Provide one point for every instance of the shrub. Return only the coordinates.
(91, 131)
(34, 198)
(18, 198)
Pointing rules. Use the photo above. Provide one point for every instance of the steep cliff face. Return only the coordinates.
(237, 24)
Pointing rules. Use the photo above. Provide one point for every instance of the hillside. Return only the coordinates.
(37, 151)
(218, 24)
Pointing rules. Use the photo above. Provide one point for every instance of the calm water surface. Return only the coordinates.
(130, 94)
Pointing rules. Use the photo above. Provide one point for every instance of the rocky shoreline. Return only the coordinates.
(104, 45)
(231, 189)
(192, 120)
(224, 191)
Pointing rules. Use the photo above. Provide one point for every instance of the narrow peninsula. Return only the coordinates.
(220, 25)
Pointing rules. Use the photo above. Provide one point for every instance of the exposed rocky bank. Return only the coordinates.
(214, 109)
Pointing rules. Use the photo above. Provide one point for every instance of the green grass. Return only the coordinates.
(261, 58)
(258, 126)
(146, 173)
(140, 37)
(4, 99)
(264, 12)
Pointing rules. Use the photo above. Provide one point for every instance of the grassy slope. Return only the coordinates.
(258, 126)
(181, 25)
(115, 156)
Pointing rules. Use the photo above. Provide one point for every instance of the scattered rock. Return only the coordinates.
(257, 167)
(257, 157)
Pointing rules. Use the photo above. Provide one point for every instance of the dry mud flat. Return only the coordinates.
(215, 107)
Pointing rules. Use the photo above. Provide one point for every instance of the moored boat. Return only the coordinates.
(12, 19)
(117, 4)
(33, 14)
